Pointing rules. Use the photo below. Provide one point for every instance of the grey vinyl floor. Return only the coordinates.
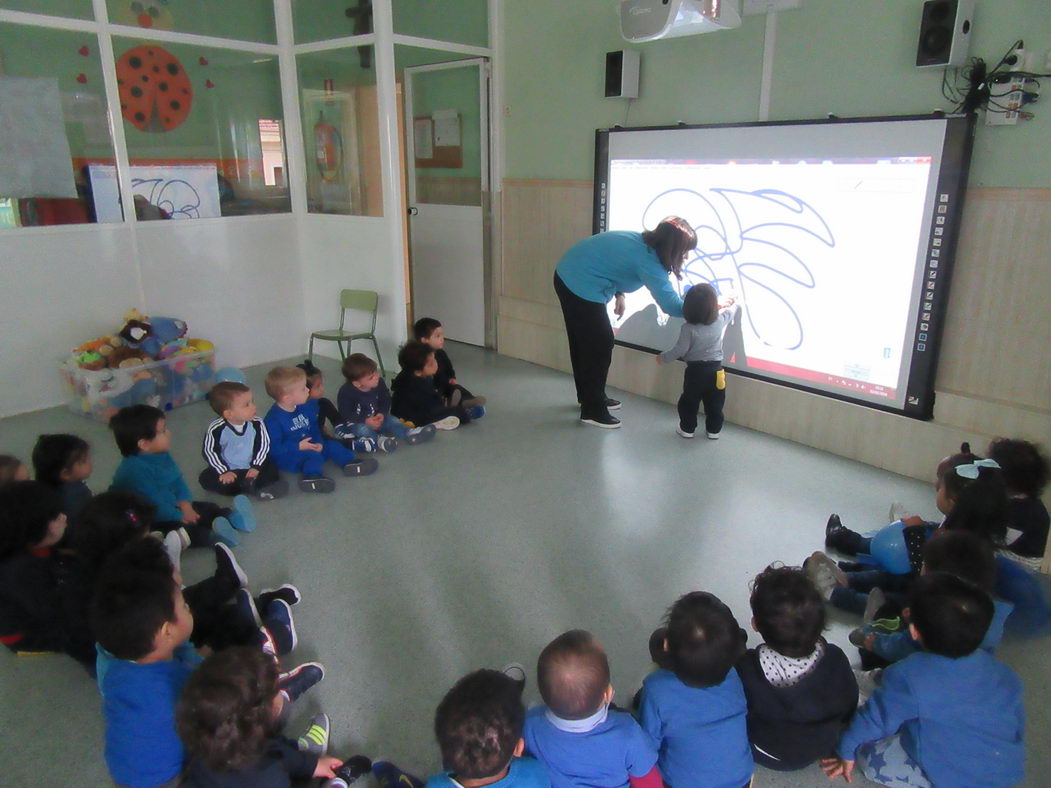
(476, 549)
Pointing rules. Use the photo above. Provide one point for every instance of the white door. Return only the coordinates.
(447, 146)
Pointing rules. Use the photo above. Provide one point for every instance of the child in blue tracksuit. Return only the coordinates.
(949, 715)
(696, 711)
(296, 442)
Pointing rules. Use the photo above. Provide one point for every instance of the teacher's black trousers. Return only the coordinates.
(590, 348)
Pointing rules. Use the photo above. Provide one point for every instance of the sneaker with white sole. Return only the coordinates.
(819, 559)
(713, 436)
(298, 680)
(603, 420)
(420, 434)
(281, 625)
(876, 600)
(448, 423)
(246, 609)
(315, 738)
(287, 592)
(683, 433)
(227, 568)
(173, 547)
(317, 484)
(363, 445)
(387, 444)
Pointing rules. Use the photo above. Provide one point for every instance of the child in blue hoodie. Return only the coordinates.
(142, 435)
(948, 715)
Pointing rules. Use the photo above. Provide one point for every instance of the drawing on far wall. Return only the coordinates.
(155, 90)
(174, 192)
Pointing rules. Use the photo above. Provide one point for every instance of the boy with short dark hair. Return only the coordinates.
(142, 435)
(582, 740)
(364, 407)
(142, 625)
(949, 715)
(696, 711)
(431, 332)
(416, 400)
(297, 444)
(64, 463)
(479, 729)
(237, 447)
(801, 690)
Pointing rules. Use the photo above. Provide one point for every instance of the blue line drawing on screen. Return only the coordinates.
(175, 196)
(751, 239)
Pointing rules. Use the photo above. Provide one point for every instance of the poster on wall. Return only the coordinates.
(188, 191)
(34, 152)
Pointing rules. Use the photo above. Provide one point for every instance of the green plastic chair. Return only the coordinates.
(363, 300)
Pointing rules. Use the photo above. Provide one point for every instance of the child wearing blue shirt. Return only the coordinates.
(479, 729)
(296, 442)
(582, 740)
(142, 435)
(696, 711)
(949, 715)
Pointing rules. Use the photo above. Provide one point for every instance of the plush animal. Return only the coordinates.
(103, 346)
(136, 332)
(163, 330)
(90, 359)
(126, 356)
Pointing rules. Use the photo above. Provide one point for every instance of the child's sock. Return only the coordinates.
(242, 517)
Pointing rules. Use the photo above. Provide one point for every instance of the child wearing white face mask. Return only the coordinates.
(576, 734)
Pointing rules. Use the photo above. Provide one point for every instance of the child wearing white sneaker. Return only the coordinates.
(414, 397)
(700, 345)
(364, 408)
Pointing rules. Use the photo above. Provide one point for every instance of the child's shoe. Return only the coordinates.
(876, 600)
(224, 532)
(282, 627)
(448, 423)
(713, 436)
(276, 489)
(354, 767)
(387, 444)
(362, 445)
(246, 609)
(898, 511)
(420, 434)
(227, 569)
(242, 518)
(473, 401)
(317, 484)
(298, 680)
(390, 776)
(362, 467)
(476, 412)
(683, 433)
(822, 573)
(315, 738)
(287, 592)
(173, 547)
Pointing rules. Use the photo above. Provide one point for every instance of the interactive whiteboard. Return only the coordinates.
(837, 236)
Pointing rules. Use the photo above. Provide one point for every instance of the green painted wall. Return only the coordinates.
(461, 21)
(452, 89)
(849, 57)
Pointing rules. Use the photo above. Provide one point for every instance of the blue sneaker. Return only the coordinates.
(242, 517)
(390, 776)
(363, 445)
(224, 532)
(298, 680)
(287, 592)
(476, 412)
(282, 627)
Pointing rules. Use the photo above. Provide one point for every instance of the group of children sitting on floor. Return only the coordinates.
(195, 691)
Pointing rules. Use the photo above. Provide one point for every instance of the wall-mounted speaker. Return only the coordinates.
(622, 74)
(945, 33)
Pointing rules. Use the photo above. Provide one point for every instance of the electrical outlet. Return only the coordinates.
(1015, 60)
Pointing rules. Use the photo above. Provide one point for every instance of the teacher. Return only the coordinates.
(602, 267)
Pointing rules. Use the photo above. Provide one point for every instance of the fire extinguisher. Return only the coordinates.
(328, 149)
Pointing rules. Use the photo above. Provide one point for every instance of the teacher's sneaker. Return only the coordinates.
(603, 420)
(683, 433)
(612, 404)
(713, 436)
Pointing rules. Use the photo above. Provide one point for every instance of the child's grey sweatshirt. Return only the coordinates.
(698, 342)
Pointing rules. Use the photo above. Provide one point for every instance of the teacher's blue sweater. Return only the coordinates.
(600, 266)
(960, 719)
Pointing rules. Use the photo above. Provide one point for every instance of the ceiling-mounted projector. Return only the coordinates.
(648, 20)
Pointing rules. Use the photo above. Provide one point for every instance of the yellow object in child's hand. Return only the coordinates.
(720, 379)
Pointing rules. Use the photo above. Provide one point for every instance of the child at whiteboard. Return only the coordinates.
(700, 345)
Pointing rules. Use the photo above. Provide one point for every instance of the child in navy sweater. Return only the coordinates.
(431, 333)
(1025, 470)
(696, 710)
(582, 740)
(64, 462)
(949, 715)
(142, 435)
(800, 688)
(364, 408)
(416, 400)
(296, 442)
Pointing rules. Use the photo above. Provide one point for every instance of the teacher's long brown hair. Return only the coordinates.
(672, 239)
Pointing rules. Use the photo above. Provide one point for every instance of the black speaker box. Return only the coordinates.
(945, 33)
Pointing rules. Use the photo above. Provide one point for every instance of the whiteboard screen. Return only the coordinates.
(837, 237)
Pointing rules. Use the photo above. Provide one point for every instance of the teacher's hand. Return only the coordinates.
(618, 306)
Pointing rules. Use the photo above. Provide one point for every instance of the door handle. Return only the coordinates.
(413, 210)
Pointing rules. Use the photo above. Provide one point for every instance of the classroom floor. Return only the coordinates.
(476, 549)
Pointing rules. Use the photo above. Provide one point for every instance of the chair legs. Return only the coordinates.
(379, 358)
(310, 351)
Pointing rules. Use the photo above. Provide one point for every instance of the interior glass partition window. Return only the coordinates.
(245, 20)
(338, 99)
(459, 21)
(53, 127)
(73, 9)
(445, 124)
(320, 20)
(204, 130)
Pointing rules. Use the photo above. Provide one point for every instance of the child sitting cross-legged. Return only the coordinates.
(479, 729)
(296, 442)
(364, 408)
(237, 447)
(148, 469)
(229, 720)
(948, 715)
(800, 688)
(696, 710)
(582, 740)
(64, 462)
(430, 332)
(416, 400)
(1025, 469)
